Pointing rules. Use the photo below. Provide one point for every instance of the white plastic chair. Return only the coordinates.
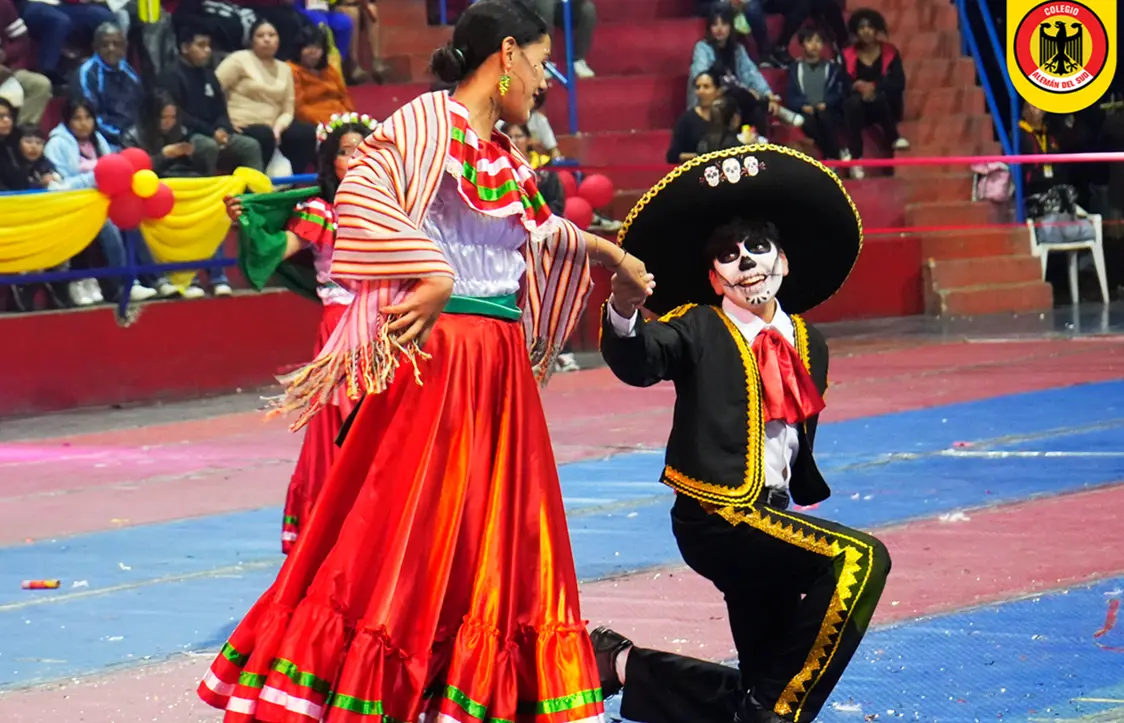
(1094, 245)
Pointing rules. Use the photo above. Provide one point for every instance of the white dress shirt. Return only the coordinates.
(782, 440)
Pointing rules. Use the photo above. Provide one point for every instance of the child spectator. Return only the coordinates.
(38, 173)
(816, 90)
(542, 135)
(202, 104)
(877, 79)
(110, 84)
(28, 91)
(722, 128)
(319, 89)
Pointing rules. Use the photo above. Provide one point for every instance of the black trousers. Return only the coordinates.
(800, 592)
(298, 144)
(859, 113)
(822, 126)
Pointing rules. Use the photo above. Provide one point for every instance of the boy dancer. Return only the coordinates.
(749, 375)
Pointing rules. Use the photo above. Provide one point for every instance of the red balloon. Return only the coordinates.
(597, 189)
(569, 183)
(159, 204)
(579, 212)
(126, 210)
(113, 174)
(138, 159)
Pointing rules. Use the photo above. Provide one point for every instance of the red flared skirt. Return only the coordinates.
(434, 578)
(318, 450)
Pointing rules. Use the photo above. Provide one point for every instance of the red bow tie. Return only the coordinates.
(790, 393)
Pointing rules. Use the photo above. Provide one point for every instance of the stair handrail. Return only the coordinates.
(567, 80)
(1009, 142)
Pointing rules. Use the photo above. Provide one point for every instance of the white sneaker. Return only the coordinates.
(901, 144)
(858, 173)
(582, 69)
(79, 296)
(796, 120)
(567, 363)
(166, 290)
(222, 290)
(141, 293)
(93, 290)
(194, 292)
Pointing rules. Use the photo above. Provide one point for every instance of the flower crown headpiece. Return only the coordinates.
(341, 119)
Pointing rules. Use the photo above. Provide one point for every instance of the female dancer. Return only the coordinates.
(435, 575)
(311, 226)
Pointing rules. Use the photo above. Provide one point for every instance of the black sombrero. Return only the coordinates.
(820, 229)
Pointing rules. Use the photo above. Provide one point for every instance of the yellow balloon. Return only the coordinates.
(145, 183)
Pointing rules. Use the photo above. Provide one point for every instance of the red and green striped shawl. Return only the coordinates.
(380, 247)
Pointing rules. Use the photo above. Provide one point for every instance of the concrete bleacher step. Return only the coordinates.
(947, 213)
(975, 243)
(944, 274)
(1024, 297)
(951, 187)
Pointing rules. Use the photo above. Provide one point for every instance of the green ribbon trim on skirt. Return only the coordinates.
(496, 307)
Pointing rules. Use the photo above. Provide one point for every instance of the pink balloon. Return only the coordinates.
(579, 212)
(597, 189)
(569, 183)
(126, 210)
(138, 159)
(159, 204)
(113, 174)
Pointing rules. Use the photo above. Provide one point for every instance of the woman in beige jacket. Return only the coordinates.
(260, 99)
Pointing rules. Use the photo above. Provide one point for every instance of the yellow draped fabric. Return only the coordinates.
(42, 230)
(198, 223)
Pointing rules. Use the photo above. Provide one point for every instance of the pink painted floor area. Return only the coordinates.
(89, 482)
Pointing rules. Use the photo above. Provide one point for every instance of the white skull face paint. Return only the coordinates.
(712, 175)
(750, 163)
(732, 170)
(751, 272)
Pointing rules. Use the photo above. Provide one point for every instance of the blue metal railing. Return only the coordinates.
(567, 80)
(1008, 135)
(131, 271)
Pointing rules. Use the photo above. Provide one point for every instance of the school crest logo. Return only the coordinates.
(1061, 56)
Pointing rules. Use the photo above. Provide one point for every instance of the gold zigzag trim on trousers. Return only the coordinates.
(857, 557)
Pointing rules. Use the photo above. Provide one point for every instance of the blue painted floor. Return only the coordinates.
(160, 589)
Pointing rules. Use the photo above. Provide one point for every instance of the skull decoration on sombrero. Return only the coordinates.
(819, 227)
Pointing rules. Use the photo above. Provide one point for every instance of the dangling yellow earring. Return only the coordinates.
(504, 84)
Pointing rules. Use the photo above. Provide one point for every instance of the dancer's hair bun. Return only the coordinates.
(448, 64)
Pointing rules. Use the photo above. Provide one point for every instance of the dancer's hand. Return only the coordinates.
(632, 285)
(233, 207)
(419, 311)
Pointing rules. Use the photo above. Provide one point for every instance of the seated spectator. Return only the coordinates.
(52, 23)
(816, 90)
(225, 24)
(318, 87)
(877, 84)
(826, 13)
(161, 135)
(722, 128)
(542, 134)
(283, 17)
(722, 53)
(9, 167)
(177, 153)
(344, 19)
(202, 103)
(261, 100)
(693, 125)
(36, 170)
(1035, 138)
(584, 20)
(27, 91)
(110, 85)
(73, 148)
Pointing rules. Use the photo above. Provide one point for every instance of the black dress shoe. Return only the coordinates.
(750, 711)
(607, 645)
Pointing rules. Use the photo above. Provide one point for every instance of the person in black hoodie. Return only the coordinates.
(877, 83)
(195, 89)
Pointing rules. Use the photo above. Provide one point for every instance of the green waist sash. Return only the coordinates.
(496, 307)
